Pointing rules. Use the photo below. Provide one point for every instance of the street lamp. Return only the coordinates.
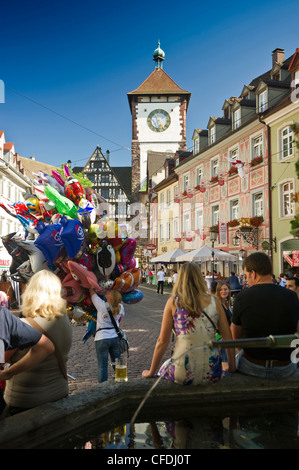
(213, 238)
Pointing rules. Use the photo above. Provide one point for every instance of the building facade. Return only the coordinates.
(284, 180)
(226, 183)
(110, 183)
(159, 108)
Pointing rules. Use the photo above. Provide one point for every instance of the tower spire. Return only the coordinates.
(159, 55)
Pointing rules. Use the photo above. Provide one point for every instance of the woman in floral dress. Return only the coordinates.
(192, 361)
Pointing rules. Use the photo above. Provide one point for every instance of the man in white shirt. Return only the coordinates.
(160, 279)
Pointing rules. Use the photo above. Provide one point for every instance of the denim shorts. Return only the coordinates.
(249, 368)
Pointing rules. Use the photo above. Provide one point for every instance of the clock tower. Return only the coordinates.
(158, 107)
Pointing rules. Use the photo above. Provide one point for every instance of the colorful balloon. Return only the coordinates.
(49, 241)
(73, 190)
(32, 204)
(72, 236)
(71, 291)
(105, 257)
(132, 297)
(127, 251)
(81, 274)
(63, 204)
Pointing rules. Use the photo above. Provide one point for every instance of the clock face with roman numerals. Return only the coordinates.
(158, 120)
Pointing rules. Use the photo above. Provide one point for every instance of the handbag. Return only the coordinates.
(124, 343)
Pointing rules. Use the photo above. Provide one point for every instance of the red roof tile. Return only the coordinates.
(159, 82)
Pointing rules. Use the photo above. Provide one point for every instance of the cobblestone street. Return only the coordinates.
(141, 322)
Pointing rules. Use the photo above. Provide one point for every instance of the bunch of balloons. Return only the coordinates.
(66, 231)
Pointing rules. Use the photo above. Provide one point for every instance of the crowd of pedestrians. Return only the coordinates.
(34, 348)
(263, 305)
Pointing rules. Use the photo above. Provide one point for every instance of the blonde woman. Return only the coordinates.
(187, 311)
(44, 309)
(106, 339)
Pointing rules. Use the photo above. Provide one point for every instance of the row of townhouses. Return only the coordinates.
(240, 178)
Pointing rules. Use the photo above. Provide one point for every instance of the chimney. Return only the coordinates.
(108, 156)
(277, 56)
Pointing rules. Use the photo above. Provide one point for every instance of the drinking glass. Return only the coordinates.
(121, 369)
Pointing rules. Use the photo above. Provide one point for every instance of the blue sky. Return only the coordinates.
(68, 66)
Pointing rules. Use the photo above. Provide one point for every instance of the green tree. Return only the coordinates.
(81, 177)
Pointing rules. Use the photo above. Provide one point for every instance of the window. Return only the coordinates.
(167, 231)
(237, 118)
(262, 101)
(161, 200)
(176, 227)
(234, 154)
(212, 135)
(258, 205)
(196, 145)
(198, 219)
(185, 182)
(168, 197)
(186, 223)
(161, 233)
(105, 193)
(214, 167)
(287, 142)
(215, 215)
(257, 146)
(234, 209)
(105, 178)
(287, 204)
(198, 176)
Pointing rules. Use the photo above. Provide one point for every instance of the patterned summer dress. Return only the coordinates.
(198, 366)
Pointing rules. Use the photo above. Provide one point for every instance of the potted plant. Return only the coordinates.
(257, 161)
(233, 223)
(233, 171)
(256, 221)
(214, 179)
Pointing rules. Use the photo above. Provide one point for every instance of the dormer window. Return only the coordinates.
(276, 76)
(196, 145)
(213, 134)
(237, 118)
(262, 97)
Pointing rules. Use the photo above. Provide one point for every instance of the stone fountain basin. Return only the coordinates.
(110, 404)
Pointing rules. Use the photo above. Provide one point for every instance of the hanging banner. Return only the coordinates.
(222, 232)
(288, 259)
(295, 255)
(5, 260)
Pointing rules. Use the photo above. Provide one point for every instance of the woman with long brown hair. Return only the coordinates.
(194, 314)
(223, 292)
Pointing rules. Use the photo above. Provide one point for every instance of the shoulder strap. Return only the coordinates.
(114, 322)
(211, 321)
(35, 325)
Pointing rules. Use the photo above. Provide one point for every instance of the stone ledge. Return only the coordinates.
(107, 405)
